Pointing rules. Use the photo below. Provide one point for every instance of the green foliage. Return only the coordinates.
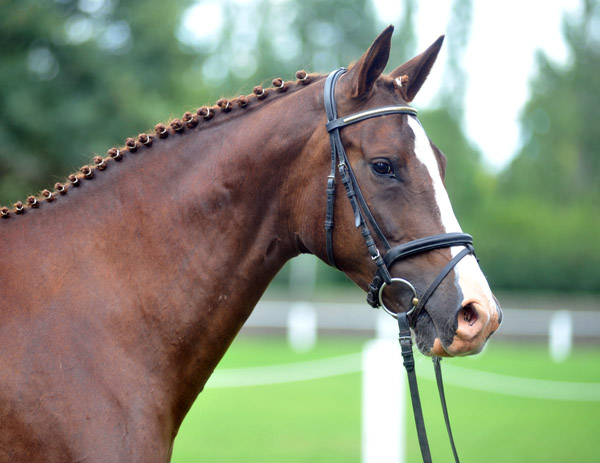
(543, 234)
(78, 79)
(559, 161)
(530, 244)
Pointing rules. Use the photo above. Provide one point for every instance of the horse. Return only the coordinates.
(122, 288)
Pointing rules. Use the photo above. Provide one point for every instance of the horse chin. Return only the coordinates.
(428, 341)
(438, 350)
(426, 334)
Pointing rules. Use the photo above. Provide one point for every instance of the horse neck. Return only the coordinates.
(174, 245)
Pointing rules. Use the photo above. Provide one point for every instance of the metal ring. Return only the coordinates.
(404, 282)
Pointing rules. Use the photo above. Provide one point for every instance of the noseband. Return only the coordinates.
(362, 219)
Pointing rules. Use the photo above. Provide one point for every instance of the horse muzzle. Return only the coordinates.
(476, 321)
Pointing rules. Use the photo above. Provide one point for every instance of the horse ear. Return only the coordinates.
(368, 68)
(413, 73)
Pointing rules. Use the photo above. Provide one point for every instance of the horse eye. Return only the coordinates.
(382, 168)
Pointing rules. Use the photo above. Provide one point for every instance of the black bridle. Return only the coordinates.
(363, 218)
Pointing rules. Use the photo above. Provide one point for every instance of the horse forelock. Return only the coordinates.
(204, 117)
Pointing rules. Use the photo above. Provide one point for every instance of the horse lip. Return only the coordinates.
(438, 349)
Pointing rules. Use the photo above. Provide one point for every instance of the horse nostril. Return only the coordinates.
(469, 314)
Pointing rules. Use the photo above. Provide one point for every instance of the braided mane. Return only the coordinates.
(145, 141)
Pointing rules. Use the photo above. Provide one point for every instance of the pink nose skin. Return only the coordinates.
(476, 323)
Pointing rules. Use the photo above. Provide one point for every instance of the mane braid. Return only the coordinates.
(144, 141)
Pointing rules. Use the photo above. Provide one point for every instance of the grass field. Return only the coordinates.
(319, 420)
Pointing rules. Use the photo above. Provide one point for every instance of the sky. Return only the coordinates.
(499, 62)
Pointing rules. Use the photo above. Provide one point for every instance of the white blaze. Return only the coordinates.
(469, 276)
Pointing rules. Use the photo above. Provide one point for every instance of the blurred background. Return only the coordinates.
(513, 102)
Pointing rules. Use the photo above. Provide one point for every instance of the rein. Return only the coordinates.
(382, 278)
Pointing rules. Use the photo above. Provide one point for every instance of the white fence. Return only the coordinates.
(303, 321)
(362, 319)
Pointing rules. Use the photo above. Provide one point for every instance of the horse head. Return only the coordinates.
(397, 174)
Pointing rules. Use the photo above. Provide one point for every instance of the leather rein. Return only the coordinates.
(364, 219)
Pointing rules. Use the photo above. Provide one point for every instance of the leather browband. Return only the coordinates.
(361, 116)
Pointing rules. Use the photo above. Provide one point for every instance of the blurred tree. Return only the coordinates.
(270, 38)
(559, 160)
(466, 180)
(542, 224)
(459, 27)
(77, 78)
(404, 40)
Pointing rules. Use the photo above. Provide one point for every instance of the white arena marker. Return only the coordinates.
(386, 327)
(560, 336)
(302, 326)
(383, 402)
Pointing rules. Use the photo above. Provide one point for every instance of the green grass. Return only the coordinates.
(319, 420)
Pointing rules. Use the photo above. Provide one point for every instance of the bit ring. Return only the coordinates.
(414, 300)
